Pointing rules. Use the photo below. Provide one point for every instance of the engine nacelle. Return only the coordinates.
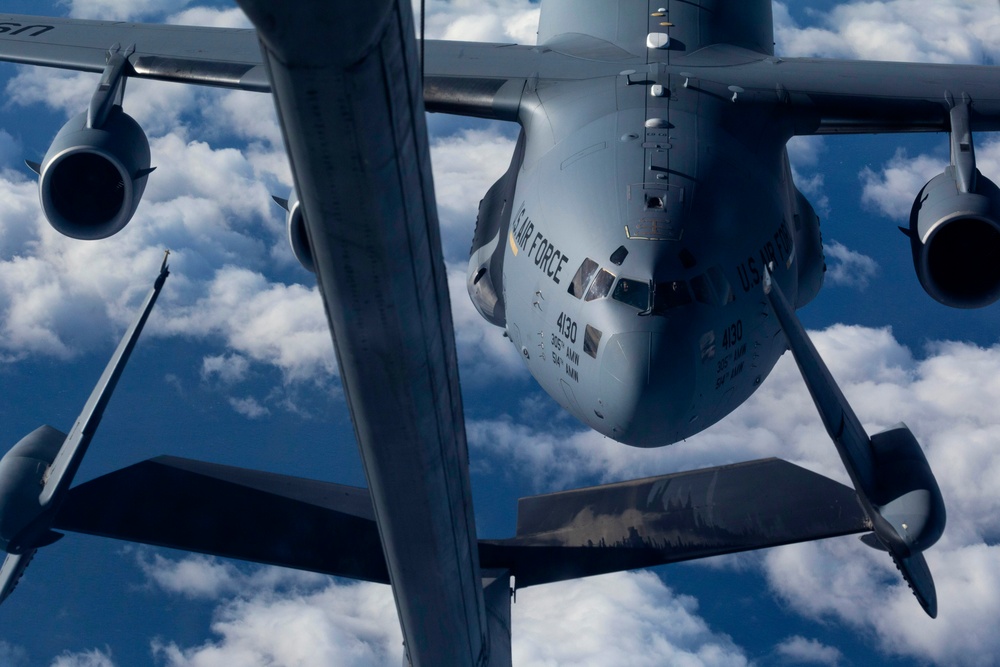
(955, 237)
(297, 236)
(905, 491)
(21, 471)
(92, 179)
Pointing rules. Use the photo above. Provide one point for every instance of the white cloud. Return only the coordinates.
(10, 150)
(276, 616)
(92, 658)
(597, 621)
(63, 90)
(465, 166)
(964, 31)
(211, 16)
(122, 10)
(489, 21)
(193, 577)
(229, 369)
(249, 407)
(12, 655)
(282, 325)
(801, 651)
(892, 190)
(846, 267)
(805, 151)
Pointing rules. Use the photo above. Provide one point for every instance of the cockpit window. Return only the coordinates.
(670, 295)
(601, 286)
(619, 255)
(632, 292)
(583, 276)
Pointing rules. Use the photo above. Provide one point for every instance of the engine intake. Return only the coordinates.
(955, 238)
(92, 179)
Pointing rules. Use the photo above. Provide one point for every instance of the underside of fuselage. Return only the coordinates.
(630, 287)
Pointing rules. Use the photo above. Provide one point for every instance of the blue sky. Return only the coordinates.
(236, 367)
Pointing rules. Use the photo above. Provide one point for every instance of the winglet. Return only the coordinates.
(60, 474)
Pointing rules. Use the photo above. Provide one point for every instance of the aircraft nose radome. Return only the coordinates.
(645, 389)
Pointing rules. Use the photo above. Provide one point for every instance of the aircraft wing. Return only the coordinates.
(224, 57)
(823, 96)
(487, 80)
(461, 77)
(269, 518)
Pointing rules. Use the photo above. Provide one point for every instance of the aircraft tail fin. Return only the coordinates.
(889, 471)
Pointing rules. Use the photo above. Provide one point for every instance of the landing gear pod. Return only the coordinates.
(92, 178)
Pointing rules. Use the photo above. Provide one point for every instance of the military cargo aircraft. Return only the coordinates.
(645, 253)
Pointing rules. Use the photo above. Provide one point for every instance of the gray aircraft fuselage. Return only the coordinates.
(634, 240)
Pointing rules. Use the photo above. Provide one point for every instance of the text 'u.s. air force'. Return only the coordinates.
(541, 250)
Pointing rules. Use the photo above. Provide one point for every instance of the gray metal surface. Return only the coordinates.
(346, 86)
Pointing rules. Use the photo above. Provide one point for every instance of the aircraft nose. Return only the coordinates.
(646, 388)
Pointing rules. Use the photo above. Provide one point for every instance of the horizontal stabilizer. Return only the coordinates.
(673, 518)
(232, 512)
(329, 528)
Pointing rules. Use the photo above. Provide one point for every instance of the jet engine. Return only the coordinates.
(297, 237)
(21, 473)
(905, 492)
(92, 178)
(955, 238)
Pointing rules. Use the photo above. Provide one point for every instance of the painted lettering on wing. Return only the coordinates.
(11, 29)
